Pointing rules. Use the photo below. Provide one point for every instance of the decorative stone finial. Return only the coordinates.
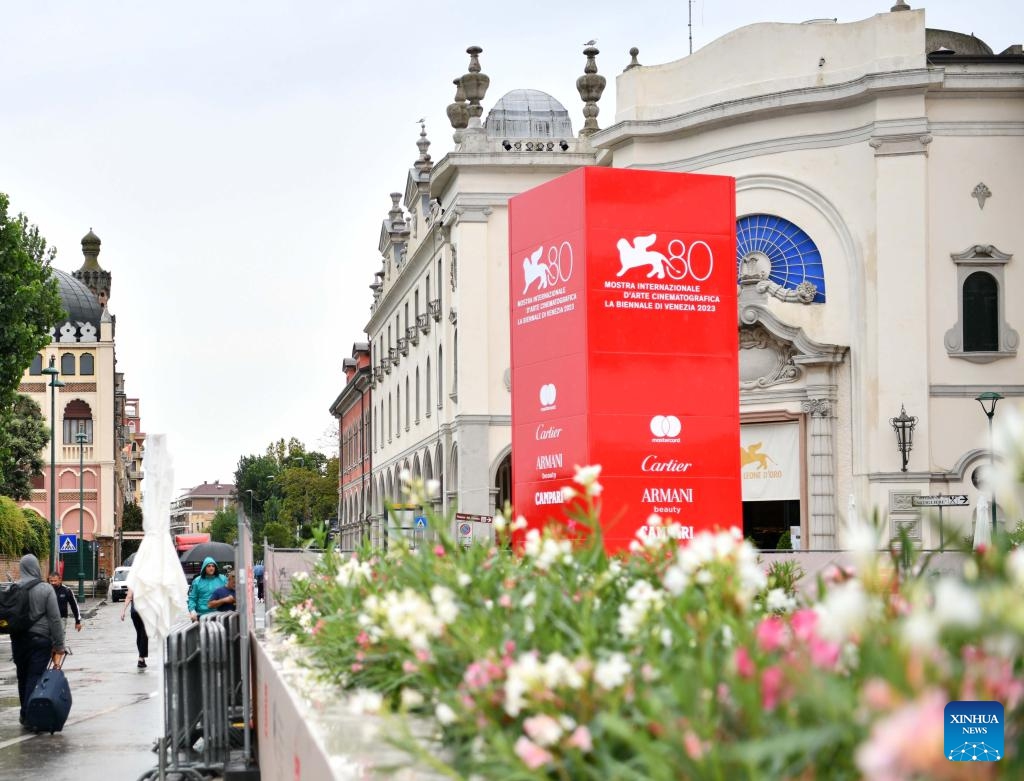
(901, 5)
(91, 249)
(475, 84)
(634, 62)
(590, 86)
(458, 112)
(395, 216)
(981, 193)
(423, 163)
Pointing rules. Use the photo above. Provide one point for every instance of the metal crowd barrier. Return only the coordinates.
(203, 697)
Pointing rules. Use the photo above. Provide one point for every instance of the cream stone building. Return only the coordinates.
(86, 396)
(876, 167)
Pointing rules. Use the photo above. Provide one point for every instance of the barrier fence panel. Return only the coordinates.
(281, 564)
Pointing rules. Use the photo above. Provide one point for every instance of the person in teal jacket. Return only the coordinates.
(206, 582)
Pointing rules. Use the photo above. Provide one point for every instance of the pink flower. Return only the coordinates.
(771, 688)
(356, 667)
(824, 654)
(693, 745)
(744, 664)
(580, 738)
(543, 729)
(803, 623)
(410, 667)
(505, 600)
(318, 627)
(909, 743)
(363, 639)
(533, 756)
(422, 654)
(771, 633)
(439, 550)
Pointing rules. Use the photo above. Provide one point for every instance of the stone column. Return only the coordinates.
(820, 475)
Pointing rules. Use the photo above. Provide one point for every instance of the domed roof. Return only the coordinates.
(79, 302)
(528, 113)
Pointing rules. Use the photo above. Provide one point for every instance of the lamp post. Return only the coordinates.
(80, 437)
(904, 425)
(250, 492)
(988, 401)
(55, 383)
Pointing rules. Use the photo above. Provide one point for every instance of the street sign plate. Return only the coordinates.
(420, 522)
(953, 500)
(69, 543)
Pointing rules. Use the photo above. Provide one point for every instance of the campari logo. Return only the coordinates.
(548, 393)
(665, 428)
(974, 731)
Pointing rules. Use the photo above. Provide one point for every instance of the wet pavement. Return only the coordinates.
(116, 713)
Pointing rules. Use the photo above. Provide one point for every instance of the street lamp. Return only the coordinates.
(80, 437)
(250, 492)
(54, 384)
(988, 401)
(904, 425)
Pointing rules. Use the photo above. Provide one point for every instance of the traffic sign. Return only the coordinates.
(953, 500)
(420, 522)
(69, 543)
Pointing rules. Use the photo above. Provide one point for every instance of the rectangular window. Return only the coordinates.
(71, 428)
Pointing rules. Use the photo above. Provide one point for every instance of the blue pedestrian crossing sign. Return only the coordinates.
(420, 522)
(69, 543)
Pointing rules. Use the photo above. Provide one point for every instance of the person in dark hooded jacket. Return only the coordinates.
(206, 582)
(44, 638)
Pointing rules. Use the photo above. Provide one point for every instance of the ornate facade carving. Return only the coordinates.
(764, 360)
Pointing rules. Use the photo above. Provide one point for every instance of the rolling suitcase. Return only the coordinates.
(50, 702)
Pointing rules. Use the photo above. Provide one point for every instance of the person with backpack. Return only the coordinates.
(65, 600)
(37, 634)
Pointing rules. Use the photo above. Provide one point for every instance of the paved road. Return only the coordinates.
(116, 715)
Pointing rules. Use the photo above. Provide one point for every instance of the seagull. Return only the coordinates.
(421, 120)
(591, 42)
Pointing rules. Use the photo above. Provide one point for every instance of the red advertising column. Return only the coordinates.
(625, 348)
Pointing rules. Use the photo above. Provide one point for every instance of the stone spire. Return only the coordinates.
(423, 164)
(633, 62)
(91, 274)
(396, 219)
(475, 84)
(901, 5)
(590, 86)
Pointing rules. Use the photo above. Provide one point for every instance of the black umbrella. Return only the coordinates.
(221, 552)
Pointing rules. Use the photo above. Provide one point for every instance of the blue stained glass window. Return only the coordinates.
(794, 257)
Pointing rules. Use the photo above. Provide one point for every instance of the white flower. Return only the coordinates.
(365, 701)
(405, 476)
(300, 576)
(410, 698)
(543, 729)
(613, 672)
(499, 523)
(463, 579)
(445, 714)
(352, 572)
(568, 493)
(920, 631)
(844, 612)
(1015, 565)
(778, 600)
(559, 671)
(432, 487)
(528, 600)
(519, 524)
(955, 604)
(641, 599)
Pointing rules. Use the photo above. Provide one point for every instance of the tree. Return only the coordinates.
(15, 532)
(131, 518)
(23, 435)
(279, 535)
(30, 304)
(224, 526)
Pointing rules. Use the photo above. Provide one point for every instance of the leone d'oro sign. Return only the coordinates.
(624, 348)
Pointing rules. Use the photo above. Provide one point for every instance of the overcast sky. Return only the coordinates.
(235, 157)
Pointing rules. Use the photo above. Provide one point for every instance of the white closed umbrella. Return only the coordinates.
(982, 523)
(156, 578)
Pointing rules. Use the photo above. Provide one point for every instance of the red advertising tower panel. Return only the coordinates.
(625, 348)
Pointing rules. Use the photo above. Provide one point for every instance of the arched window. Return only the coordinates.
(440, 376)
(390, 419)
(398, 411)
(981, 333)
(427, 386)
(37, 366)
(67, 364)
(981, 313)
(417, 394)
(790, 254)
(77, 417)
(455, 363)
(86, 363)
(407, 402)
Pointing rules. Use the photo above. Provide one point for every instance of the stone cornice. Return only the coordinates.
(860, 90)
(553, 162)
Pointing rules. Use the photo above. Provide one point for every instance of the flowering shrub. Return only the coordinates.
(561, 662)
